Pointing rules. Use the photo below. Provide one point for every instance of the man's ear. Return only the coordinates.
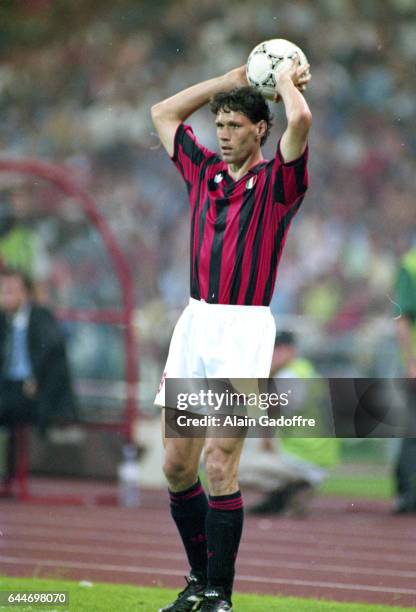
(261, 129)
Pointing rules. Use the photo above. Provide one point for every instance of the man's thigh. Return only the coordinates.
(182, 450)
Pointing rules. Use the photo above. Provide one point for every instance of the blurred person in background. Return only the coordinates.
(405, 473)
(35, 383)
(290, 469)
(21, 246)
(241, 208)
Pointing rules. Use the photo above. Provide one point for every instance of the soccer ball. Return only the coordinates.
(264, 61)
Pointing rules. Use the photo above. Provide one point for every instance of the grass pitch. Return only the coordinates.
(126, 598)
(363, 486)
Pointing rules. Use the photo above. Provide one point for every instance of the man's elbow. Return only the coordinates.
(156, 112)
(162, 114)
(301, 120)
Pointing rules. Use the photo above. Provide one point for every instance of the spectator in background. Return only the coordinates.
(405, 473)
(20, 245)
(16, 238)
(35, 383)
(290, 469)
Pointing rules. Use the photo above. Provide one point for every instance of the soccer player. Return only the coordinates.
(241, 207)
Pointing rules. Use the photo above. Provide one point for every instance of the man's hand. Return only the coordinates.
(237, 77)
(290, 69)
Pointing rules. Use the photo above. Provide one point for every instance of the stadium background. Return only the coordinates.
(76, 84)
(77, 80)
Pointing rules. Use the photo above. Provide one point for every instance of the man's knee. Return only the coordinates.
(181, 465)
(221, 465)
(178, 471)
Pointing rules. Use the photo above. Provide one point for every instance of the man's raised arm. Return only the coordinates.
(169, 113)
(291, 80)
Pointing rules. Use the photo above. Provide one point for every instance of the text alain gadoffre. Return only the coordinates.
(244, 421)
(216, 401)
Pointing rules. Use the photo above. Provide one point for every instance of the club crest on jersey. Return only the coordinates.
(251, 182)
(218, 177)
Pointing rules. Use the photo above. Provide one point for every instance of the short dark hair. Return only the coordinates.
(246, 100)
(10, 271)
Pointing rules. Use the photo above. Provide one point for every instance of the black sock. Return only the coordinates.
(224, 526)
(189, 509)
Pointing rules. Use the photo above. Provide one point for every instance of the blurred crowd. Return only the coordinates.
(79, 94)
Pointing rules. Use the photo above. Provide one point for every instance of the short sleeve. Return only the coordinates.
(189, 155)
(290, 180)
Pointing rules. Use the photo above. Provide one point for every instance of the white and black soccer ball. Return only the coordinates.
(264, 61)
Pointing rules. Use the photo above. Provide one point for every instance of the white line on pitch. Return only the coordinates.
(243, 560)
(135, 528)
(295, 537)
(330, 551)
(170, 572)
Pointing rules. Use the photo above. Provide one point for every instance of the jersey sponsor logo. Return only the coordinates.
(218, 177)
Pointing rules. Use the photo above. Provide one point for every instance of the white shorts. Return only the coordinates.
(220, 341)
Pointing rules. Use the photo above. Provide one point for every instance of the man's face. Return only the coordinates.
(238, 137)
(13, 293)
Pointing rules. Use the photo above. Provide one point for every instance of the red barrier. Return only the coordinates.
(60, 177)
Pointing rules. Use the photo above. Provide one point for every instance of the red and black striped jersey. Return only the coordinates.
(238, 228)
